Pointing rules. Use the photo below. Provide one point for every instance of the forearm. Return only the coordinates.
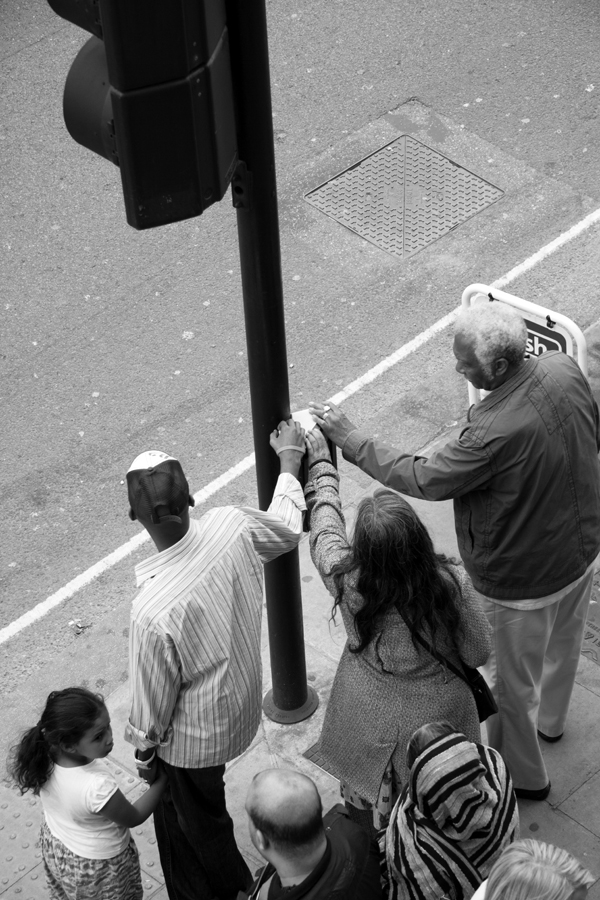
(328, 538)
(383, 463)
(279, 529)
(155, 681)
(290, 461)
(147, 803)
(119, 810)
(462, 465)
(145, 729)
(323, 486)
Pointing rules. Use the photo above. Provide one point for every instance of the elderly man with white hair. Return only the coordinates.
(525, 480)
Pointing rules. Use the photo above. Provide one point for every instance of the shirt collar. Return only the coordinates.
(155, 564)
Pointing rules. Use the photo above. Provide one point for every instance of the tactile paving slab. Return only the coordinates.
(404, 196)
(143, 835)
(21, 872)
(20, 855)
(313, 756)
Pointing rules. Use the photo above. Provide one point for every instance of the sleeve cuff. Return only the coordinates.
(324, 467)
(291, 487)
(352, 444)
(142, 741)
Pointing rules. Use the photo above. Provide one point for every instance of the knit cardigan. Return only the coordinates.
(382, 695)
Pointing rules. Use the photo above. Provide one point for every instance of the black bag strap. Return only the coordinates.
(434, 653)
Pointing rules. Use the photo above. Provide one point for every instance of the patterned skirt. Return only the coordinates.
(72, 877)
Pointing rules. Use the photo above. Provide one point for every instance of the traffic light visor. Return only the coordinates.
(87, 103)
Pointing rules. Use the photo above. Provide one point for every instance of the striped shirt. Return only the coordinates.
(194, 642)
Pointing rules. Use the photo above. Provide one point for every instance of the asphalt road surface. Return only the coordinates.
(115, 341)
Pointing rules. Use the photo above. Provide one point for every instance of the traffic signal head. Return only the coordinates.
(152, 92)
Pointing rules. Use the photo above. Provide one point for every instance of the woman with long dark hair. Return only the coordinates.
(389, 585)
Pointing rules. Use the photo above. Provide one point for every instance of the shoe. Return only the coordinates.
(548, 739)
(524, 794)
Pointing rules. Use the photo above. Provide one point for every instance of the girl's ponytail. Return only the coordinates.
(30, 762)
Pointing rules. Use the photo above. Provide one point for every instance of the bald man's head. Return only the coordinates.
(285, 807)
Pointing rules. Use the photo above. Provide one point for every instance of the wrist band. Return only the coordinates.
(145, 763)
(290, 447)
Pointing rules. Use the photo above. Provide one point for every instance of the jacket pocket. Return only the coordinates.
(465, 533)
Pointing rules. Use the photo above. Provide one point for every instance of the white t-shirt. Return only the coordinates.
(70, 798)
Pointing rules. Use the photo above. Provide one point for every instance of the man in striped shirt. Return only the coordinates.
(194, 656)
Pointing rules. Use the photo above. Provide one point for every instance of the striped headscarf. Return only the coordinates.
(453, 819)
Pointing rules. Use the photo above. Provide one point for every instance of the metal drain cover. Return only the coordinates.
(404, 196)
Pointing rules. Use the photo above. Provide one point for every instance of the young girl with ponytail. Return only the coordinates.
(87, 848)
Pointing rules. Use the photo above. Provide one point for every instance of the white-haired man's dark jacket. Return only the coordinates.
(523, 474)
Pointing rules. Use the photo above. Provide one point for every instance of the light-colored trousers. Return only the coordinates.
(531, 672)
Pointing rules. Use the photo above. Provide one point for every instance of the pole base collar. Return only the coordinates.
(290, 716)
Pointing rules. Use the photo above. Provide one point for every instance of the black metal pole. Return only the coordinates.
(254, 192)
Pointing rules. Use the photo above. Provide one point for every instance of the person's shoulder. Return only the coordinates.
(98, 772)
(335, 814)
(560, 375)
(91, 780)
(338, 824)
(230, 513)
(262, 878)
(553, 357)
(490, 755)
(64, 774)
(455, 572)
(218, 514)
(217, 524)
(555, 362)
(354, 847)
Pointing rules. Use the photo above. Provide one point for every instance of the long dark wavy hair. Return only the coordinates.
(68, 714)
(395, 561)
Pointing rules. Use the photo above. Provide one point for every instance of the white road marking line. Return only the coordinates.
(85, 578)
(394, 358)
(420, 339)
(592, 219)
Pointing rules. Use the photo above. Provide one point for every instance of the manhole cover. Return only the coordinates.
(404, 196)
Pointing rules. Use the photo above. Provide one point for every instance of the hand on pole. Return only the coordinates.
(332, 421)
(317, 446)
(287, 440)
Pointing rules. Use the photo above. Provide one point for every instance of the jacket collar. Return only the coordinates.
(499, 393)
(298, 890)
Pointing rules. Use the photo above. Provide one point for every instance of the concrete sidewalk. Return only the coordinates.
(570, 818)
